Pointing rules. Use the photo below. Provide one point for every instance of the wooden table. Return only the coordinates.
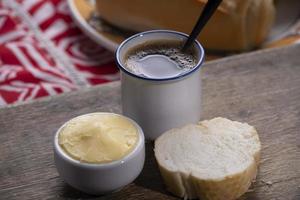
(261, 88)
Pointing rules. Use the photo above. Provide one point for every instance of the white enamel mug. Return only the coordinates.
(160, 104)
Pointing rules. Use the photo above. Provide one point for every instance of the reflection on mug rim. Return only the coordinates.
(197, 66)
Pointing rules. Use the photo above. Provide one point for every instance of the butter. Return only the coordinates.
(98, 137)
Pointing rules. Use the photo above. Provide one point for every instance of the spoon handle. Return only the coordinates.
(207, 12)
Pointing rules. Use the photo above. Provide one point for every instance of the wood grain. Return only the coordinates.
(261, 88)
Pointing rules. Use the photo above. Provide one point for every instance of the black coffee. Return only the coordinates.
(160, 59)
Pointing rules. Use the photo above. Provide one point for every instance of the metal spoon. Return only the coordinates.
(207, 12)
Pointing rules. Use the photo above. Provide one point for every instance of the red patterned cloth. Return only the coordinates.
(43, 53)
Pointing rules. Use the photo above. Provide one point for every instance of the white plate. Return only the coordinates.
(288, 12)
(96, 36)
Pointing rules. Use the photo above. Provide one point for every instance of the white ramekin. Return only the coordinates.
(100, 178)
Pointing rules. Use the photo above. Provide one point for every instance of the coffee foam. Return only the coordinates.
(169, 48)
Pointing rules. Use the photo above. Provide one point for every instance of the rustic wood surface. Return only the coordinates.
(261, 88)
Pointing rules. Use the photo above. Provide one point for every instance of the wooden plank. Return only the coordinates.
(261, 88)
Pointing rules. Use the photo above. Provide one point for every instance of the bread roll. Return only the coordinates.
(212, 160)
(237, 24)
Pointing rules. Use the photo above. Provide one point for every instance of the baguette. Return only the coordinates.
(212, 160)
(237, 24)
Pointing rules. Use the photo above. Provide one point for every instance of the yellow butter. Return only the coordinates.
(98, 137)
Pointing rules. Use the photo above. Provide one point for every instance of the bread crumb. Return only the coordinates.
(269, 183)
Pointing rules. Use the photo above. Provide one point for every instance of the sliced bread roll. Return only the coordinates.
(213, 160)
(237, 24)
